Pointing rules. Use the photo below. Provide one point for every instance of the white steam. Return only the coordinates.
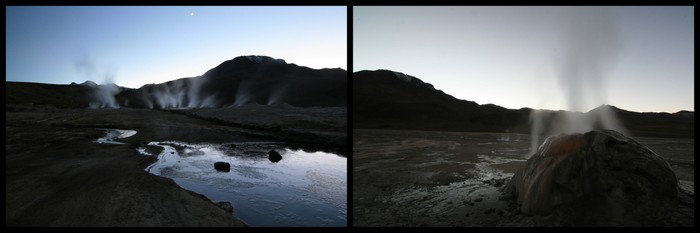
(590, 43)
(536, 118)
(277, 94)
(244, 94)
(183, 93)
(193, 92)
(102, 95)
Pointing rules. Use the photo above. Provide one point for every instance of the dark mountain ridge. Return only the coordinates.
(239, 81)
(385, 99)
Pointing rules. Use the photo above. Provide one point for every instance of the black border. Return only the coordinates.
(349, 4)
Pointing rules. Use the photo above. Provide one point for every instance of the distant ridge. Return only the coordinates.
(242, 80)
(385, 99)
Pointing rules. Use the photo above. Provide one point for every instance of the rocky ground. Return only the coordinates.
(421, 178)
(57, 176)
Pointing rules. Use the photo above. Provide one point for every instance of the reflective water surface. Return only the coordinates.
(114, 134)
(302, 189)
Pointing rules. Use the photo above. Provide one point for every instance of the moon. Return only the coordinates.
(191, 13)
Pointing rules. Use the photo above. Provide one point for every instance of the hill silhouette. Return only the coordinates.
(239, 81)
(385, 99)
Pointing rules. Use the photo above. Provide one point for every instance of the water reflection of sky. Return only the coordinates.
(303, 189)
(114, 134)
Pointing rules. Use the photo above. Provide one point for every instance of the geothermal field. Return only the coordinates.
(424, 158)
(233, 147)
(458, 116)
(429, 178)
(142, 167)
(580, 136)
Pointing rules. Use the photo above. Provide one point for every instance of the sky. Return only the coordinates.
(134, 46)
(559, 58)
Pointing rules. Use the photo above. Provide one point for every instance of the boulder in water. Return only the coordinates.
(274, 156)
(222, 166)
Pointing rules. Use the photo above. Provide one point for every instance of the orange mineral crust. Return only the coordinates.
(565, 144)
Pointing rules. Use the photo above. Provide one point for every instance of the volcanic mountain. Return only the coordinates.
(242, 80)
(385, 99)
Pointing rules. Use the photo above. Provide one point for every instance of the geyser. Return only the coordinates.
(103, 96)
(596, 178)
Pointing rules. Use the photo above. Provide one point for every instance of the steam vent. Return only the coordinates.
(596, 178)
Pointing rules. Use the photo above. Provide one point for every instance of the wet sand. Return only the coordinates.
(424, 178)
(56, 175)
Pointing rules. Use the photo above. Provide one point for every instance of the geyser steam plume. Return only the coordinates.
(102, 95)
(589, 44)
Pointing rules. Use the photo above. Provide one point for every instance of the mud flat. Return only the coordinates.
(57, 175)
(427, 178)
(325, 127)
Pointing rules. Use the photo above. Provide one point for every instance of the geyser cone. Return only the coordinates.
(596, 178)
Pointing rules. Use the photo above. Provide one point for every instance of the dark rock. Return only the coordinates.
(512, 205)
(225, 205)
(154, 150)
(498, 183)
(489, 211)
(274, 156)
(602, 177)
(478, 199)
(222, 166)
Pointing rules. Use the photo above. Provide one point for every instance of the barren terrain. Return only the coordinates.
(56, 175)
(429, 178)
